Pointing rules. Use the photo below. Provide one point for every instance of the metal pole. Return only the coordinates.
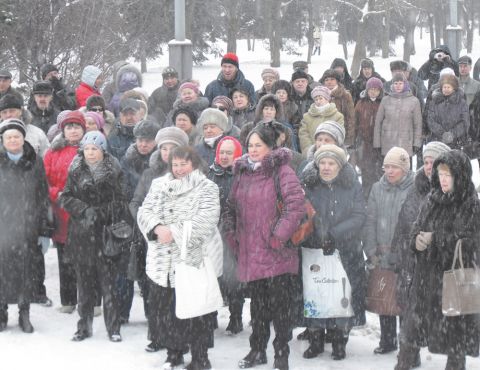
(180, 20)
(453, 13)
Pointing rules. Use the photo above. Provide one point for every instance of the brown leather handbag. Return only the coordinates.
(381, 292)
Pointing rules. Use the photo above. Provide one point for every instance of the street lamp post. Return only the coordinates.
(180, 49)
(454, 31)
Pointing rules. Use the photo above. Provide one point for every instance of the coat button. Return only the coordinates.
(170, 189)
(169, 252)
(171, 210)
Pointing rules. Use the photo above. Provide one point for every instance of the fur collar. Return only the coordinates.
(328, 111)
(422, 182)
(26, 162)
(310, 176)
(271, 162)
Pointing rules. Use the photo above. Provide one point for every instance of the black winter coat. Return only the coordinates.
(24, 217)
(206, 152)
(119, 139)
(430, 70)
(100, 191)
(450, 216)
(133, 165)
(360, 84)
(340, 208)
(43, 119)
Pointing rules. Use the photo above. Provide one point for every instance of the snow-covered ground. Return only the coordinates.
(50, 346)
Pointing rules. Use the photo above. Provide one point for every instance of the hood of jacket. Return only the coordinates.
(122, 84)
(422, 182)
(261, 104)
(454, 98)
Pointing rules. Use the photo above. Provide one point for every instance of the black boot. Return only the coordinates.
(174, 358)
(24, 320)
(253, 358)
(200, 359)
(3, 317)
(153, 347)
(281, 358)
(385, 348)
(339, 343)
(317, 340)
(304, 335)
(408, 357)
(235, 325)
(455, 362)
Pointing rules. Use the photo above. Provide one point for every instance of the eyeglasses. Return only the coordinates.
(96, 109)
(221, 108)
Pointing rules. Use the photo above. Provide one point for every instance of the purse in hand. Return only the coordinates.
(116, 237)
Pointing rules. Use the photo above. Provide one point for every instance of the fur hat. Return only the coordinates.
(321, 91)
(398, 65)
(188, 112)
(146, 129)
(330, 73)
(90, 74)
(11, 101)
(215, 117)
(95, 101)
(13, 124)
(74, 116)
(96, 138)
(42, 87)
(98, 119)
(434, 149)
(366, 63)
(230, 58)
(374, 83)
(171, 135)
(189, 85)
(237, 152)
(398, 157)
(449, 79)
(282, 85)
(224, 101)
(270, 72)
(46, 69)
(330, 151)
(332, 128)
(299, 74)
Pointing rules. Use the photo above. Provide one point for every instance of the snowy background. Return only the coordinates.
(50, 347)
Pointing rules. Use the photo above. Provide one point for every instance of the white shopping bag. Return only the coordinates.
(326, 289)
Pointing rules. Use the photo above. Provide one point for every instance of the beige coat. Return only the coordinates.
(398, 123)
(312, 119)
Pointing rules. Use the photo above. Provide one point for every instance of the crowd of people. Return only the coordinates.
(227, 173)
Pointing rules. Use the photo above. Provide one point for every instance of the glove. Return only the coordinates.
(44, 243)
(423, 240)
(447, 137)
(90, 216)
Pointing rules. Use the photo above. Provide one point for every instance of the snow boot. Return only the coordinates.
(154, 347)
(304, 335)
(200, 359)
(281, 358)
(3, 317)
(317, 338)
(66, 309)
(174, 358)
(455, 362)
(339, 344)
(24, 320)
(408, 357)
(235, 325)
(253, 358)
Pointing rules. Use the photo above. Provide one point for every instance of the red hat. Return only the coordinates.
(73, 117)
(230, 58)
(237, 152)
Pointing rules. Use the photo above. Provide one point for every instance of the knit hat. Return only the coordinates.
(330, 151)
(374, 83)
(330, 73)
(90, 74)
(5, 74)
(270, 72)
(366, 63)
(11, 101)
(398, 65)
(171, 135)
(46, 69)
(447, 71)
(95, 101)
(398, 76)
(465, 59)
(299, 74)
(332, 128)
(214, 117)
(96, 138)
(321, 91)
(169, 72)
(13, 124)
(449, 79)
(42, 87)
(224, 101)
(434, 149)
(189, 85)
(97, 118)
(146, 129)
(267, 133)
(230, 58)
(187, 111)
(74, 116)
(300, 65)
(398, 157)
(282, 85)
(237, 153)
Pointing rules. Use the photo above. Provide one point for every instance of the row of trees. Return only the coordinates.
(74, 33)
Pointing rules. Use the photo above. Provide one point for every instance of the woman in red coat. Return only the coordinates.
(90, 84)
(57, 161)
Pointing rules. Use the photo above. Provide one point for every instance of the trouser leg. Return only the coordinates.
(260, 314)
(109, 272)
(68, 279)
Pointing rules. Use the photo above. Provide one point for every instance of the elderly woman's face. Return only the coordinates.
(226, 153)
(322, 139)
(188, 95)
(13, 141)
(446, 179)
(181, 167)
(328, 168)
(92, 153)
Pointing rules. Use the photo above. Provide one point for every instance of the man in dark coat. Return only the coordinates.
(63, 96)
(367, 70)
(438, 59)
(229, 78)
(162, 99)
(340, 66)
(24, 200)
(302, 92)
(6, 85)
(44, 113)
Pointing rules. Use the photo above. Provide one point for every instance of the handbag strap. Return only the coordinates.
(187, 232)
(458, 255)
